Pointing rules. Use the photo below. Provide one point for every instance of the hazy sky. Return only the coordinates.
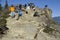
(53, 4)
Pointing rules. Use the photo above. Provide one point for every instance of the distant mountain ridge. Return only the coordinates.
(57, 19)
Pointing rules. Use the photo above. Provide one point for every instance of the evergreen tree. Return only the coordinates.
(6, 4)
(0, 7)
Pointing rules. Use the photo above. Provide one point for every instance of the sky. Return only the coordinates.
(53, 4)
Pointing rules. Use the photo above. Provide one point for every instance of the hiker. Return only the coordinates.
(25, 6)
(31, 5)
(36, 14)
(20, 6)
(46, 6)
(18, 10)
(28, 7)
(12, 10)
(33, 8)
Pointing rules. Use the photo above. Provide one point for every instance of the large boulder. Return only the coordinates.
(28, 27)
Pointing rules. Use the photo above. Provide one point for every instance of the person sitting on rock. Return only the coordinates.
(28, 7)
(12, 10)
(20, 13)
(19, 10)
(33, 8)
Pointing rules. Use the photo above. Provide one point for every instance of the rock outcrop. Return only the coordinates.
(29, 27)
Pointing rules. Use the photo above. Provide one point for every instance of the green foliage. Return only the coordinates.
(0, 7)
(2, 22)
(54, 22)
(6, 15)
(49, 30)
(6, 4)
(0, 12)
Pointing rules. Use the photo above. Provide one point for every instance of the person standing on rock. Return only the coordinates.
(12, 10)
